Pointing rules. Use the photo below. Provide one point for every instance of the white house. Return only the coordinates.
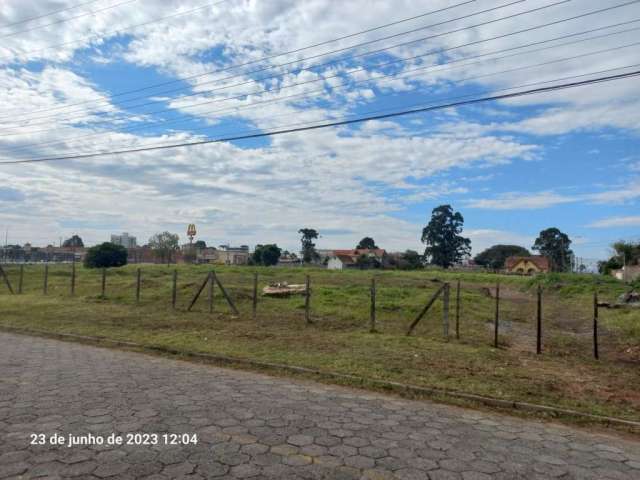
(340, 262)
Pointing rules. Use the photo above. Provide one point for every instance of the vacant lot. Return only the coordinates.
(564, 375)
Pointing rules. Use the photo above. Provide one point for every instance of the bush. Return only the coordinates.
(106, 255)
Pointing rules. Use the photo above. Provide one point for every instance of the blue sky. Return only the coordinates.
(567, 159)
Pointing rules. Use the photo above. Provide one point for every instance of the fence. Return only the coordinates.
(404, 305)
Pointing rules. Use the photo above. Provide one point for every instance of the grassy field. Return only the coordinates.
(565, 375)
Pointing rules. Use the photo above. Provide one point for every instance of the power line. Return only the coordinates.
(183, 79)
(123, 30)
(448, 99)
(433, 52)
(64, 20)
(20, 22)
(336, 61)
(400, 74)
(342, 122)
(332, 62)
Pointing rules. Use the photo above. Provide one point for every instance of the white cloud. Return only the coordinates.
(521, 201)
(612, 222)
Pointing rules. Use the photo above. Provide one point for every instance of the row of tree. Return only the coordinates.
(445, 246)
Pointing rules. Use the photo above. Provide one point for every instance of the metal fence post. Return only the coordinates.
(539, 321)
(596, 354)
(254, 305)
(458, 310)
(104, 281)
(307, 300)
(174, 289)
(497, 317)
(445, 311)
(45, 287)
(372, 319)
(21, 278)
(73, 277)
(138, 284)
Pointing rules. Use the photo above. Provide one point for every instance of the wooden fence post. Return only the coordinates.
(104, 281)
(497, 318)
(73, 277)
(539, 322)
(595, 325)
(211, 284)
(425, 309)
(254, 305)
(21, 278)
(6, 280)
(225, 294)
(372, 318)
(307, 300)
(138, 284)
(445, 311)
(193, 300)
(174, 289)
(45, 287)
(458, 310)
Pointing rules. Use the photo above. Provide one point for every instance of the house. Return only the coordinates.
(628, 273)
(528, 265)
(340, 262)
(224, 255)
(341, 259)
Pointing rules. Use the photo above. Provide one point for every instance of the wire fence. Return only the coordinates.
(502, 311)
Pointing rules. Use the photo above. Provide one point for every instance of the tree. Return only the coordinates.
(106, 255)
(411, 260)
(367, 243)
(444, 244)
(494, 257)
(74, 241)
(308, 251)
(364, 262)
(554, 244)
(266, 255)
(624, 253)
(164, 245)
(199, 245)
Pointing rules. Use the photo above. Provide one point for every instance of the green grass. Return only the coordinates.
(565, 375)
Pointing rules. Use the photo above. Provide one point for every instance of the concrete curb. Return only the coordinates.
(381, 384)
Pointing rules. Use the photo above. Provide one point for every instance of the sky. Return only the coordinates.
(82, 77)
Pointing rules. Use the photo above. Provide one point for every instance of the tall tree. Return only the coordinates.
(367, 243)
(308, 251)
(555, 245)
(164, 245)
(266, 255)
(494, 257)
(444, 244)
(74, 241)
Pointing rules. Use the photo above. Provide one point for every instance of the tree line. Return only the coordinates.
(445, 246)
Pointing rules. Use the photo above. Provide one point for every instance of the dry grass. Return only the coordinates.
(565, 375)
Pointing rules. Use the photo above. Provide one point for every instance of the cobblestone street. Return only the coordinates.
(254, 425)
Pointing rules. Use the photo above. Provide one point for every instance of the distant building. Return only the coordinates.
(126, 240)
(341, 259)
(628, 273)
(528, 265)
(224, 255)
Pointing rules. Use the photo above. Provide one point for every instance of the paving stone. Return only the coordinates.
(251, 425)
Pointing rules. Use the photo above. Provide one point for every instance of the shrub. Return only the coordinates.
(106, 255)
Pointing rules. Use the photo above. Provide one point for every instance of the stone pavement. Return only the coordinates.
(251, 425)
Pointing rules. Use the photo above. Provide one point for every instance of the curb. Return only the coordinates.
(382, 384)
